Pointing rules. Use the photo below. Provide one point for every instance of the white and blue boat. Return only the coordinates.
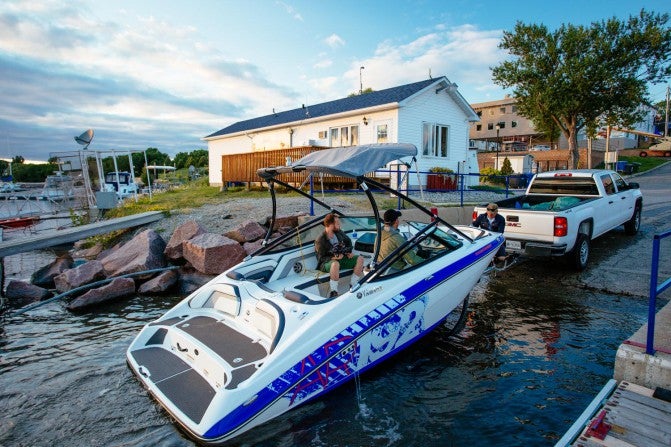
(264, 337)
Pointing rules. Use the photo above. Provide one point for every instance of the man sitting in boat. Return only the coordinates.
(392, 239)
(334, 251)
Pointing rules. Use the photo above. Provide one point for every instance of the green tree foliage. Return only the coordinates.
(28, 172)
(198, 158)
(506, 167)
(18, 159)
(582, 76)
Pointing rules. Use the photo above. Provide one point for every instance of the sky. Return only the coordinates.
(166, 73)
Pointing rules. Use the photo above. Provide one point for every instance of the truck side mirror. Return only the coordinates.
(633, 185)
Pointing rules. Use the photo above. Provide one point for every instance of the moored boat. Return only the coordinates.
(266, 336)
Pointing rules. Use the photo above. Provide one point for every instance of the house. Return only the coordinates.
(499, 126)
(430, 114)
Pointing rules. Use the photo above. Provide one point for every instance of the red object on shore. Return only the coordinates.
(19, 222)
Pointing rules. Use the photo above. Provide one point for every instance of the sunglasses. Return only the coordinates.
(492, 209)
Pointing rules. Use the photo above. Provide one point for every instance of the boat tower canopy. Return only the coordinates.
(353, 161)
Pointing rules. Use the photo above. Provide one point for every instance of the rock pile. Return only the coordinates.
(188, 260)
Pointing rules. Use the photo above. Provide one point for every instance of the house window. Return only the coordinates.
(513, 124)
(323, 134)
(434, 140)
(478, 127)
(382, 133)
(480, 113)
(491, 112)
(502, 109)
(490, 126)
(344, 136)
(514, 109)
(502, 125)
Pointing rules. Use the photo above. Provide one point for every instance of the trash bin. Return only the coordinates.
(621, 166)
(635, 166)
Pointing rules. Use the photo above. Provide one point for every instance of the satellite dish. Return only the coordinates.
(85, 138)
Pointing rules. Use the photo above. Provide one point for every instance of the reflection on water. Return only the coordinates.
(530, 358)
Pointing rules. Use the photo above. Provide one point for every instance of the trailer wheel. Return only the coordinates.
(632, 225)
(643, 154)
(580, 253)
(667, 154)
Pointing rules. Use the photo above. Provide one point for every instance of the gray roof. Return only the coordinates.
(356, 102)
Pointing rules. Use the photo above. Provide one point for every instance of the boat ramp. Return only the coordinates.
(73, 234)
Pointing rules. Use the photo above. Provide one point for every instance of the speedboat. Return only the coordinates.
(264, 337)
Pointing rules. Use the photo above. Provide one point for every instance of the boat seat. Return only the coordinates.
(228, 304)
(268, 319)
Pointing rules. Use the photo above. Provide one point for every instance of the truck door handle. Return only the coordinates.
(610, 202)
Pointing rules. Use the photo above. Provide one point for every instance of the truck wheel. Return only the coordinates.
(643, 154)
(667, 154)
(580, 253)
(632, 225)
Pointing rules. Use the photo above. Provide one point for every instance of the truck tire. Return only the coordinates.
(580, 253)
(632, 225)
(643, 154)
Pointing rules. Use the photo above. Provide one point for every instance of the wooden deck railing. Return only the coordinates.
(242, 167)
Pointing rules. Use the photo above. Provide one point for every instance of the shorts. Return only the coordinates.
(345, 263)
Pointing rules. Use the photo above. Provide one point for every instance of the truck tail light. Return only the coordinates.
(475, 214)
(561, 227)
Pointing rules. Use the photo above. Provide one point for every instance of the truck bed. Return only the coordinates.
(543, 202)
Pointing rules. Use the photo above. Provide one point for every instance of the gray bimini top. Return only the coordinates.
(353, 161)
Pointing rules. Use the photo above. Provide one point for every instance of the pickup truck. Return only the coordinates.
(563, 211)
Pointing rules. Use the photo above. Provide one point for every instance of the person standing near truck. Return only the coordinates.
(491, 220)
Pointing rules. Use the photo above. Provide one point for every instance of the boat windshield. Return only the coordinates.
(438, 235)
(306, 234)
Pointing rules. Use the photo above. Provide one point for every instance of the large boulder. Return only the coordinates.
(118, 287)
(44, 277)
(251, 247)
(84, 274)
(213, 253)
(174, 247)
(20, 293)
(191, 280)
(160, 284)
(247, 232)
(143, 252)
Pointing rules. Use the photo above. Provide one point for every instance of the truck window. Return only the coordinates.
(571, 186)
(619, 182)
(608, 184)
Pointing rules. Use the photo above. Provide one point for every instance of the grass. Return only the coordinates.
(185, 197)
(646, 163)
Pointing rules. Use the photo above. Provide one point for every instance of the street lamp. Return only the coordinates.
(498, 145)
(360, 81)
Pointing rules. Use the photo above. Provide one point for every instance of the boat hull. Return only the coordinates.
(339, 339)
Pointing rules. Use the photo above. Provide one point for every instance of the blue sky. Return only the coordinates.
(166, 73)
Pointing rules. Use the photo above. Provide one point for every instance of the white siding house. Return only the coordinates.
(430, 114)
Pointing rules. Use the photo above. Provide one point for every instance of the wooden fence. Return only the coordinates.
(241, 168)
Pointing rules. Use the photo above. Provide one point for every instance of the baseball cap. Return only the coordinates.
(390, 216)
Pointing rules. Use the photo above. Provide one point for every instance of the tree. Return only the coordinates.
(18, 159)
(586, 76)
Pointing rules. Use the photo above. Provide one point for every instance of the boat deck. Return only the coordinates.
(632, 416)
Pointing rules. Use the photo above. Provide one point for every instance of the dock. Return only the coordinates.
(73, 234)
(630, 415)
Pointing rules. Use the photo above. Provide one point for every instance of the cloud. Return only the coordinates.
(291, 11)
(155, 85)
(463, 54)
(334, 41)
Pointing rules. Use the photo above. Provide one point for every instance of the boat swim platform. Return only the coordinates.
(73, 234)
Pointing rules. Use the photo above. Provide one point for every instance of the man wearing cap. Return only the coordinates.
(391, 239)
(330, 260)
(493, 221)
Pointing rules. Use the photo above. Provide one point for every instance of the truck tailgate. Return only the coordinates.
(524, 225)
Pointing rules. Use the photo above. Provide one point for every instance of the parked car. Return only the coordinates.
(541, 147)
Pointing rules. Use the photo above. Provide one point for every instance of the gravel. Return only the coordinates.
(223, 217)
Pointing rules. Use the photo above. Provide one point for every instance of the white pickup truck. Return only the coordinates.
(562, 211)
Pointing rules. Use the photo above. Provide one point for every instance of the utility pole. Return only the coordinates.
(361, 82)
(666, 117)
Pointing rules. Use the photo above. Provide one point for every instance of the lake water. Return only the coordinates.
(533, 354)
